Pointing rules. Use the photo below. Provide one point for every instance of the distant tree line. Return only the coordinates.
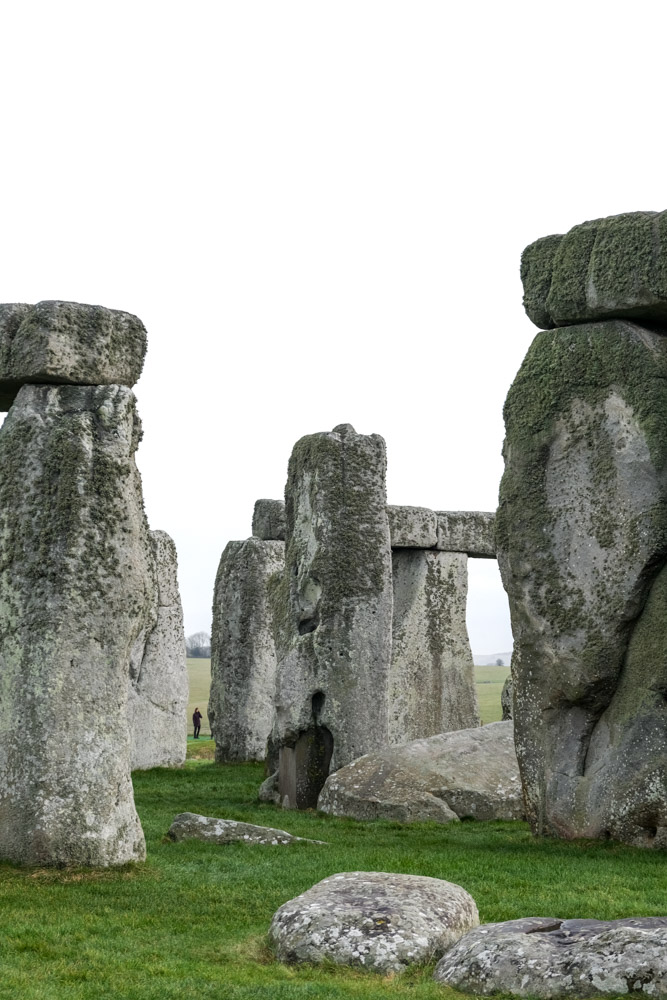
(198, 645)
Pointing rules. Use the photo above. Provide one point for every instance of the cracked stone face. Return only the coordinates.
(374, 920)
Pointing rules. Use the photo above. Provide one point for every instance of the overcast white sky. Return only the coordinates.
(318, 211)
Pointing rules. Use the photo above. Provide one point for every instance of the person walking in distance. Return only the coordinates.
(196, 722)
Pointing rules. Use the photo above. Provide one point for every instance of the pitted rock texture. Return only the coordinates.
(375, 920)
(471, 773)
(412, 527)
(547, 957)
(432, 683)
(507, 699)
(243, 654)
(191, 826)
(469, 531)
(67, 343)
(77, 575)
(334, 610)
(582, 549)
(158, 689)
(612, 268)
(268, 520)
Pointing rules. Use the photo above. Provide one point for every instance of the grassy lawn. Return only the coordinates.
(192, 920)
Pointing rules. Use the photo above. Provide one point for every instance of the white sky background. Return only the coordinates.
(318, 211)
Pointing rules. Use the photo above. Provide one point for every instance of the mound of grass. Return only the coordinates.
(192, 920)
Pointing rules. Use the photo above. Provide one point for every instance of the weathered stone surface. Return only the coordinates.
(76, 577)
(268, 520)
(158, 689)
(268, 790)
(412, 527)
(463, 774)
(376, 920)
(189, 826)
(547, 957)
(67, 343)
(333, 633)
(432, 684)
(582, 542)
(613, 268)
(470, 531)
(243, 654)
(506, 699)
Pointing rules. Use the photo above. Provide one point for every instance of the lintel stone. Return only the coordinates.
(470, 531)
(412, 527)
(67, 343)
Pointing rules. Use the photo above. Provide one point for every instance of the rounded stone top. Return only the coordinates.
(343, 430)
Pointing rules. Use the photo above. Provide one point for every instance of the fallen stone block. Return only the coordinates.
(67, 343)
(268, 520)
(546, 957)
(470, 773)
(412, 527)
(191, 826)
(374, 920)
(469, 531)
(612, 268)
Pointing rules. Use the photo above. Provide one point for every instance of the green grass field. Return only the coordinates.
(192, 920)
(489, 682)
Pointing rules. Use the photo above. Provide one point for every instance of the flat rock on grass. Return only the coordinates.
(189, 826)
(375, 920)
(546, 957)
(465, 773)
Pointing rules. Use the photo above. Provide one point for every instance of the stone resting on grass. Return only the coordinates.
(546, 957)
(373, 920)
(452, 776)
(191, 826)
(84, 594)
(582, 534)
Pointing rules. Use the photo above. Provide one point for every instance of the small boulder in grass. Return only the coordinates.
(373, 920)
(191, 826)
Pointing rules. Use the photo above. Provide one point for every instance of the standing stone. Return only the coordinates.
(506, 699)
(432, 683)
(158, 689)
(67, 343)
(76, 576)
(334, 628)
(243, 654)
(268, 520)
(582, 543)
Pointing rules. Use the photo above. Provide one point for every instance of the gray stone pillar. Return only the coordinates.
(243, 655)
(77, 574)
(158, 689)
(432, 685)
(334, 623)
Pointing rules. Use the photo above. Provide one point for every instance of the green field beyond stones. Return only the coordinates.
(192, 920)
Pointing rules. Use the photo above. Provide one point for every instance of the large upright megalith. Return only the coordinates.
(432, 683)
(243, 653)
(582, 543)
(158, 675)
(333, 628)
(77, 574)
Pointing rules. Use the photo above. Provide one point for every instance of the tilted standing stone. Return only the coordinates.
(334, 629)
(582, 544)
(243, 654)
(76, 577)
(158, 688)
(432, 683)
